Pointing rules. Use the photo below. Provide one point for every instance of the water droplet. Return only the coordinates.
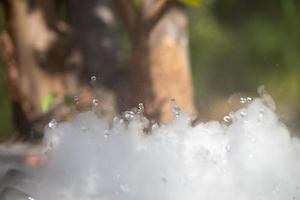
(227, 119)
(140, 108)
(52, 124)
(175, 108)
(243, 100)
(128, 115)
(76, 99)
(243, 114)
(261, 114)
(249, 99)
(95, 102)
(154, 126)
(93, 80)
(30, 198)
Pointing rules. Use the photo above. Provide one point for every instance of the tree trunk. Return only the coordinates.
(46, 63)
(94, 22)
(161, 68)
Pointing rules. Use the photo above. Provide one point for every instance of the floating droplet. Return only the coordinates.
(140, 108)
(175, 108)
(128, 115)
(243, 100)
(261, 114)
(93, 80)
(154, 126)
(76, 99)
(95, 102)
(243, 114)
(52, 124)
(30, 198)
(249, 99)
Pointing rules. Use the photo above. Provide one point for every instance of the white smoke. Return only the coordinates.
(253, 157)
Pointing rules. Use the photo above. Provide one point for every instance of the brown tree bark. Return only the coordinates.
(160, 61)
(43, 61)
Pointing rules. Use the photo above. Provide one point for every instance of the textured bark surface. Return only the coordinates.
(170, 66)
(161, 68)
(45, 62)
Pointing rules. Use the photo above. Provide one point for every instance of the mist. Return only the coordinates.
(250, 155)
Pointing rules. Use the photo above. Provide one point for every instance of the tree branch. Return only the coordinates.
(128, 13)
(156, 11)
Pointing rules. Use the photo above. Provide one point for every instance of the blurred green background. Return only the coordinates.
(235, 46)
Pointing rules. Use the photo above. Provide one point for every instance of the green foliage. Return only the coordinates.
(245, 50)
(48, 102)
(138, 3)
(289, 8)
(192, 2)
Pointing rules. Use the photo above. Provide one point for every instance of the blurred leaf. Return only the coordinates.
(48, 102)
(192, 2)
(289, 8)
(138, 3)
